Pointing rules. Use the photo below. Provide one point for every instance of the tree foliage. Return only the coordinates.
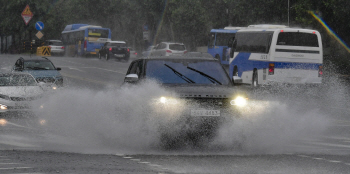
(187, 21)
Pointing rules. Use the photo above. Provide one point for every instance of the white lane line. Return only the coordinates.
(347, 164)
(15, 168)
(334, 161)
(127, 157)
(304, 156)
(5, 159)
(8, 163)
(76, 69)
(155, 165)
(145, 162)
(318, 158)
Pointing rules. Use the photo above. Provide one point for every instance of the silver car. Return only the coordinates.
(17, 91)
(169, 49)
(56, 46)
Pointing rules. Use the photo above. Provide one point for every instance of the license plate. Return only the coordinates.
(205, 113)
(119, 55)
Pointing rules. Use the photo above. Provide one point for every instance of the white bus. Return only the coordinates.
(270, 54)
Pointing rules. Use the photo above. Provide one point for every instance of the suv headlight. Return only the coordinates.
(239, 101)
(168, 100)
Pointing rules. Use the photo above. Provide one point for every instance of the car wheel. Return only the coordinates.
(106, 56)
(255, 83)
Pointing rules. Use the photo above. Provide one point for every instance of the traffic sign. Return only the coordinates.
(39, 34)
(27, 15)
(39, 25)
(145, 35)
(145, 27)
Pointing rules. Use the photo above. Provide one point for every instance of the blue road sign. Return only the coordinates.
(145, 27)
(39, 25)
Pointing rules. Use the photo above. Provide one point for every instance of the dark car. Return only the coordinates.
(41, 68)
(114, 49)
(203, 95)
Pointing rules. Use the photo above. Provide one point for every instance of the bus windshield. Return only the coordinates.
(100, 33)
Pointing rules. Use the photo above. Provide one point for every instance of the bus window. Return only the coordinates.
(297, 39)
(222, 39)
(254, 42)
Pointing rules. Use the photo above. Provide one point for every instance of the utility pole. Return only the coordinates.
(288, 13)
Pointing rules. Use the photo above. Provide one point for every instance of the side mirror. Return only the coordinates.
(131, 78)
(58, 69)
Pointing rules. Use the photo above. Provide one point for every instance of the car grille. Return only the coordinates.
(45, 79)
(18, 107)
(209, 102)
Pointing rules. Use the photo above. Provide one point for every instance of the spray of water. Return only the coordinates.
(125, 120)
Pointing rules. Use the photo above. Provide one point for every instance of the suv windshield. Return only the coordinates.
(178, 47)
(159, 70)
(38, 65)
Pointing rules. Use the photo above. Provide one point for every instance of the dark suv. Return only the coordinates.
(41, 68)
(200, 95)
(114, 49)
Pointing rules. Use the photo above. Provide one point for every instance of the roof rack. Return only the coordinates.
(267, 26)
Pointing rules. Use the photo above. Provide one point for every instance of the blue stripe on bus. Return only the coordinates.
(242, 59)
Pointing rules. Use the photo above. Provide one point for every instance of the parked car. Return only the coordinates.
(147, 51)
(200, 96)
(114, 49)
(41, 68)
(169, 49)
(56, 46)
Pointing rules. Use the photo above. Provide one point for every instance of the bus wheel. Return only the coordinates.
(255, 79)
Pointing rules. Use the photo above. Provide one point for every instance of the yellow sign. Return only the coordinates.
(27, 11)
(43, 51)
(39, 34)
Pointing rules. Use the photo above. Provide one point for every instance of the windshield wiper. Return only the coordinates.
(212, 79)
(188, 80)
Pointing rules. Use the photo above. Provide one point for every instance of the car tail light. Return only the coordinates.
(168, 51)
(320, 71)
(271, 69)
(128, 50)
(85, 43)
(110, 49)
(49, 46)
(62, 47)
(135, 53)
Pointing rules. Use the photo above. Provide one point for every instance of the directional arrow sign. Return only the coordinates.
(39, 25)
(27, 15)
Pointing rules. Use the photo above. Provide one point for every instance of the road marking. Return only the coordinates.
(76, 69)
(8, 163)
(318, 158)
(145, 162)
(127, 157)
(135, 159)
(15, 168)
(334, 161)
